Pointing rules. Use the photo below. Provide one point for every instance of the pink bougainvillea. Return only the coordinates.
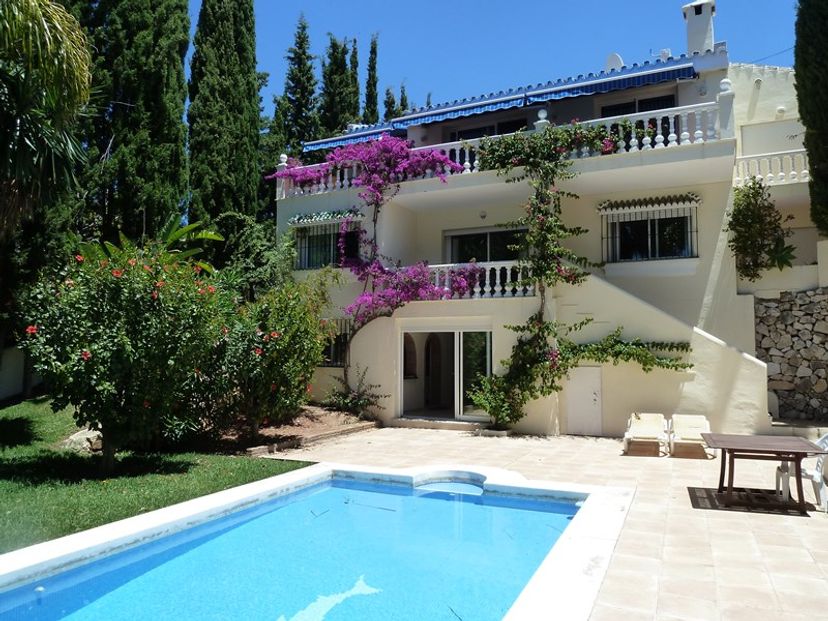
(381, 165)
(393, 288)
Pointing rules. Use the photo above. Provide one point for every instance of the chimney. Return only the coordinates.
(699, 18)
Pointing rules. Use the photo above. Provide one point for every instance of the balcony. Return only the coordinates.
(496, 279)
(672, 128)
(779, 168)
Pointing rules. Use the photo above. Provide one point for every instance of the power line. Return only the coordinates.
(787, 49)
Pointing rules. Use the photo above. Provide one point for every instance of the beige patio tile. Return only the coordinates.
(692, 570)
(605, 612)
(747, 596)
(675, 606)
(687, 587)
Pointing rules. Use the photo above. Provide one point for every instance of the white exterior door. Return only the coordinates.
(583, 402)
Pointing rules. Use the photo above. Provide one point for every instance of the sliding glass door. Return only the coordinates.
(475, 363)
(440, 369)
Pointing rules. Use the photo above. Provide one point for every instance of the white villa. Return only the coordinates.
(656, 214)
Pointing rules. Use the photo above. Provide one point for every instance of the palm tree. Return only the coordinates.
(45, 78)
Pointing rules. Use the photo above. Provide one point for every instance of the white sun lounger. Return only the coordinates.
(686, 430)
(645, 427)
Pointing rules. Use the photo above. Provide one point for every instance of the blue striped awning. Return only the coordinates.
(364, 135)
(459, 111)
(605, 86)
(646, 74)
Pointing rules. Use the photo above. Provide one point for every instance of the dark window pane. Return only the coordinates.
(657, 103)
(470, 134)
(628, 107)
(465, 248)
(510, 127)
(633, 244)
(501, 243)
(672, 237)
(319, 250)
(351, 245)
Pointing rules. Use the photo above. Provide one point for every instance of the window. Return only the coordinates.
(485, 246)
(409, 357)
(639, 105)
(503, 127)
(318, 245)
(336, 351)
(650, 229)
(472, 133)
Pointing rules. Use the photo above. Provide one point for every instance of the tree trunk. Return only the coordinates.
(108, 457)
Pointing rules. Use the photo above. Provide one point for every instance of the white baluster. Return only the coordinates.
(659, 137)
(798, 168)
(684, 138)
(633, 142)
(711, 124)
(698, 134)
(646, 143)
(671, 138)
(466, 167)
(585, 151)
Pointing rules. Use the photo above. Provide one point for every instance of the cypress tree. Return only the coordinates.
(136, 173)
(224, 113)
(300, 110)
(810, 53)
(403, 101)
(336, 95)
(370, 114)
(353, 68)
(390, 105)
(148, 178)
(428, 100)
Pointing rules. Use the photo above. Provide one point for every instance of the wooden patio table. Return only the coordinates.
(773, 448)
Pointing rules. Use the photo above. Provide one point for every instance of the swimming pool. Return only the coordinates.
(320, 543)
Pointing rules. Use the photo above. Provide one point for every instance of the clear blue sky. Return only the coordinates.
(462, 49)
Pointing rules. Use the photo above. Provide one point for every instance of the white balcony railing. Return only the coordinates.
(773, 168)
(496, 279)
(657, 129)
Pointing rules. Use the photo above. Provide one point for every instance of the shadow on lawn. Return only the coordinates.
(67, 467)
(16, 431)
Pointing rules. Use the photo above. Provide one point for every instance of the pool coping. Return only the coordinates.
(567, 580)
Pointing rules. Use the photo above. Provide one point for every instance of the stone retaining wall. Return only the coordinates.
(791, 337)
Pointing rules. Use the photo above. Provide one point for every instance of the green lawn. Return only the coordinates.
(46, 492)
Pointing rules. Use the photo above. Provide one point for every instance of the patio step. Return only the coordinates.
(434, 423)
(791, 428)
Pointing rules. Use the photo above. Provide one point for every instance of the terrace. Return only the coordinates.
(668, 128)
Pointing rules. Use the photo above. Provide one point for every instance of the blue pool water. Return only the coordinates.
(339, 551)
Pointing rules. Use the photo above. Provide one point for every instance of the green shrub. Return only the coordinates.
(757, 236)
(363, 400)
(122, 338)
(263, 361)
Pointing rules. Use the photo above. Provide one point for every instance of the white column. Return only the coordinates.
(727, 124)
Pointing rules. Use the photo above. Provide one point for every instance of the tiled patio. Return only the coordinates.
(672, 561)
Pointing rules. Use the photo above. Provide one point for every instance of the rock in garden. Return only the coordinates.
(85, 440)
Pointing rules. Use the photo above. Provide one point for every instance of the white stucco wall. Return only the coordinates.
(11, 372)
(725, 384)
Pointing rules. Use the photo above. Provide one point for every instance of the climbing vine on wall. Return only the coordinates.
(544, 354)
